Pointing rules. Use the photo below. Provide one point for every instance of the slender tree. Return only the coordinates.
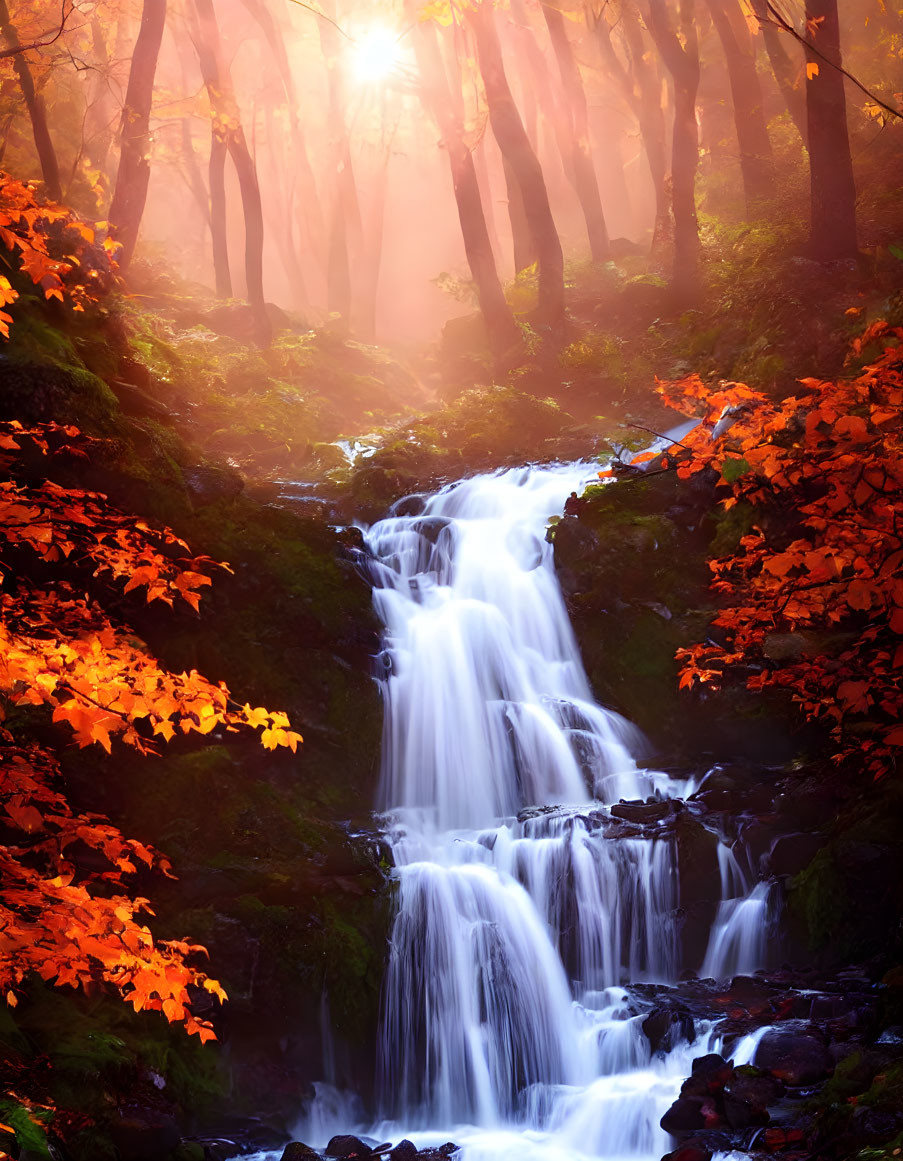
(133, 175)
(508, 130)
(756, 157)
(584, 174)
(229, 137)
(34, 103)
(679, 48)
(641, 83)
(788, 73)
(443, 98)
(833, 188)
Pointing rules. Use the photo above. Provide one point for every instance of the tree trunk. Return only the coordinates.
(313, 220)
(756, 157)
(681, 57)
(133, 175)
(502, 331)
(833, 189)
(228, 128)
(643, 90)
(787, 74)
(98, 115)
(34, 102)
(512, 139)
(219, 233)
(585, 183)
(524, 246)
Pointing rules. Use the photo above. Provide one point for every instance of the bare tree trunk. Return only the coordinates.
(218, 230)
(525, 253)
(585, 183)
(641, 86)
(681, 57)
(99, 116)
(509, 132)
(227, 125)
(313, 212)
(444, 103)
(787, 74)
(34, 102)
(133, 175)
(193, 177)
(833, 188)
(756, 157)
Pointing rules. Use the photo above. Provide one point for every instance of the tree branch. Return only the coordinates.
(19, 48)
(778, 20)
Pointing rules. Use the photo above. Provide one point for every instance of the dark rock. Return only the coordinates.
(404, 1151)
(136, 401)
(409, 506)
(645, 812)
(297, 1151)
(140, 1134)
(208, 483)
(797, 1058)
(347, 1146)
(792, 853)
(740, 1114)
(876, 1125)
(665, 1028)
(689, 1151)
(760, 1091)
(431, 527)
(684, 1116)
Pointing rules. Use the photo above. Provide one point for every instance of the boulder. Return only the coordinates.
(404, 1151)
(347, 1146)
(208, 483)
(684, 1116)
(797, 1058)
(792, 853)
(689, 1151)
(297, 1151)
(665, 1028)
(646, 812)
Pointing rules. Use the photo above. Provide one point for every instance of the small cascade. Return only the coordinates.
(738, 937)
(526, 911)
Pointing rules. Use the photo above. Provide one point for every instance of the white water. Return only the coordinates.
(506, 1027)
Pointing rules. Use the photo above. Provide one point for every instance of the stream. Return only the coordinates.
(524, 914)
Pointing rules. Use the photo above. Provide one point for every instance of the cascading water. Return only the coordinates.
(506, 1027)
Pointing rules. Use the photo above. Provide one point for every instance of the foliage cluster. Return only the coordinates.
(814, 594)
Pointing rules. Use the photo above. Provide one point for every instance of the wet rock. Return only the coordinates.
(298, 1151)
(645, 812)
(709, 1076)
(665, 1028)
(791, 853)
(689, 1151)
(797, 1058)
(347, 1146)
(140, 1134)
(755, 1088)
(410, 506)
(684, 1116)
(206, 484)
(431, 527)
(404, 1151)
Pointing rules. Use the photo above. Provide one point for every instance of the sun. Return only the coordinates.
(375, 54)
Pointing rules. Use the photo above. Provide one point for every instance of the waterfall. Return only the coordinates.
(522, 913)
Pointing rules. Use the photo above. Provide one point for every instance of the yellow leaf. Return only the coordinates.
(811, 70)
